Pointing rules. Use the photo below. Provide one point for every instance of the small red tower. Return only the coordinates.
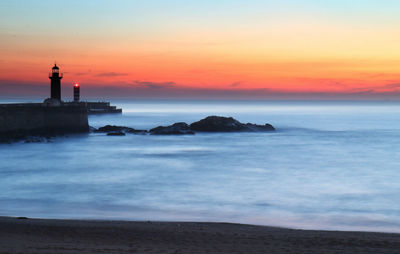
(76, 92)
(55, 78)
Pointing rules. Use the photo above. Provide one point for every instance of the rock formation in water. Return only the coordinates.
(208, 124)
(211, 124)
(227, 124)
(175, 129)
(117, 129)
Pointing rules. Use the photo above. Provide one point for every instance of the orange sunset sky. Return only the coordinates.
(205, 49)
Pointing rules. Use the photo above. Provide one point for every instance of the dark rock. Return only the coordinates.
(114, 128)
(208, 124)
(257, 127)
(227, 124)
(116, 133)
(217, 124)
(133, 131)
(175, 129)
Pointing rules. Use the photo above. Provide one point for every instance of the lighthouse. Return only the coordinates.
(76, 92)
(55, 78)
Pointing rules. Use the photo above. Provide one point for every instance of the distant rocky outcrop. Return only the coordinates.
(175, 129)
(118, 129)
(112, 128)
(227, 124)
(208, 124)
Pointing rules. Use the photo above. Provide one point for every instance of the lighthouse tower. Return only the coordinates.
(76, 92)
(55, 78)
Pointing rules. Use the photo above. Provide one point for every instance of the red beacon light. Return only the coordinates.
(76, 92)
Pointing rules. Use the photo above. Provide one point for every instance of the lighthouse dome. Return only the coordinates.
(55, 67)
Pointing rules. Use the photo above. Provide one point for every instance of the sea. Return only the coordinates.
(331, 165)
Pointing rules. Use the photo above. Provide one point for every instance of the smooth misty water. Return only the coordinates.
(329, 166)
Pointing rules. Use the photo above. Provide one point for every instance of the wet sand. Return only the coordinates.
(85, 236)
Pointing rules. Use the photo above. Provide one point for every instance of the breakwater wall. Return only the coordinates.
(19, 120)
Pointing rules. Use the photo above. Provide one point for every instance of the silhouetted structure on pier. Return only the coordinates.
(55, 78)
(51, 117)
(55, 99)
(76, 92)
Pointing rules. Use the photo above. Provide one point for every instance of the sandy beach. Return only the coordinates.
(21, 235)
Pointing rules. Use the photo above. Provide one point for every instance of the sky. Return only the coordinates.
(248, 49)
